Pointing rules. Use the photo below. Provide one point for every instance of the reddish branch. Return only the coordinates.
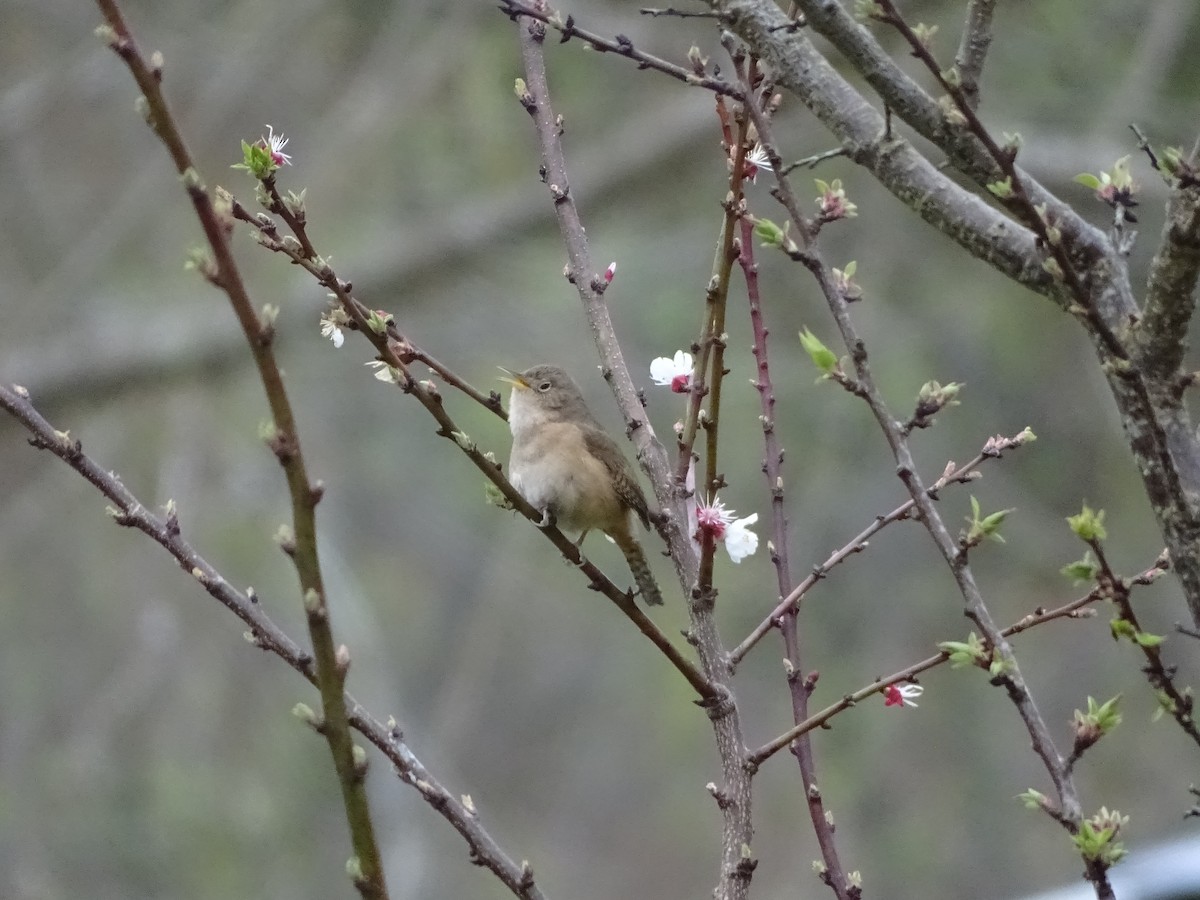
(799, 686)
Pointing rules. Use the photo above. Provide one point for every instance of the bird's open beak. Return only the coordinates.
(513, 378)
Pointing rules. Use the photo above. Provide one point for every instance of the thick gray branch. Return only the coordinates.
(1171, 289)
(973, 47)
(799, 67)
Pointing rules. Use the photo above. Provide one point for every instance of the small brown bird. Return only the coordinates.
(566, 466)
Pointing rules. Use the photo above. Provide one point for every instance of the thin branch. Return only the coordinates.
(1179, 704)
(294, 216)
(621, 45)
(993, 449)
(1076, 609)
(734, 794)
(973, 48)
(680, 13)
(799, 687)
(708, 372)
(332, 662)
(811, 162)
(128, 511)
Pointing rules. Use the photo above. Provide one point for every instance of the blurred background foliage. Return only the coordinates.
(147, 751)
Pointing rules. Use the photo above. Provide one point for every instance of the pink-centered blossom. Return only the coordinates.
(755, 161)
(722, 525)
(274, 144)
(675, 372)
(902, 694)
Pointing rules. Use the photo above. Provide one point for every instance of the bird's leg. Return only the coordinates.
(547, 518)
(579, 542)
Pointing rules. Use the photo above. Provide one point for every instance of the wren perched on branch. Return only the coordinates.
(566, 466)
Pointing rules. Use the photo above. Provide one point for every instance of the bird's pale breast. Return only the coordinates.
(553, 469)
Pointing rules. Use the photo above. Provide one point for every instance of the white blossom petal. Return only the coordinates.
(740, 541)
(664, 369)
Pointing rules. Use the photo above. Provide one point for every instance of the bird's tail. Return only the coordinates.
(636, 557)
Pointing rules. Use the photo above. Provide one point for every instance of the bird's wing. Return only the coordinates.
(625, 481)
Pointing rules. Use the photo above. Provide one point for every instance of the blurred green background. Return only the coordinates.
(146, 750)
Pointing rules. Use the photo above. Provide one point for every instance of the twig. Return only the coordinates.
(953, 475)
(295, 218)
(332, 662)
(621, 45)
(128, 511)
(1179, 704)
(708, 372)
(1073, 610)
(680, 13)
(811, 162)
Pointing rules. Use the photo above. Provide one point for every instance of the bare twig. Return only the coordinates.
(294, 217)
(680, 13)
(953, 475)
(708, 372)
(1076, 609)
(1179, 704)
(128, 511)
(811, 162)
(621, 45)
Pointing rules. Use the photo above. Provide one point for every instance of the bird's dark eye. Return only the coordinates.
(544, 386)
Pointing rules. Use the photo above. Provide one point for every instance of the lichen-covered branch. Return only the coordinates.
(973, 47)
(1171, 287)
